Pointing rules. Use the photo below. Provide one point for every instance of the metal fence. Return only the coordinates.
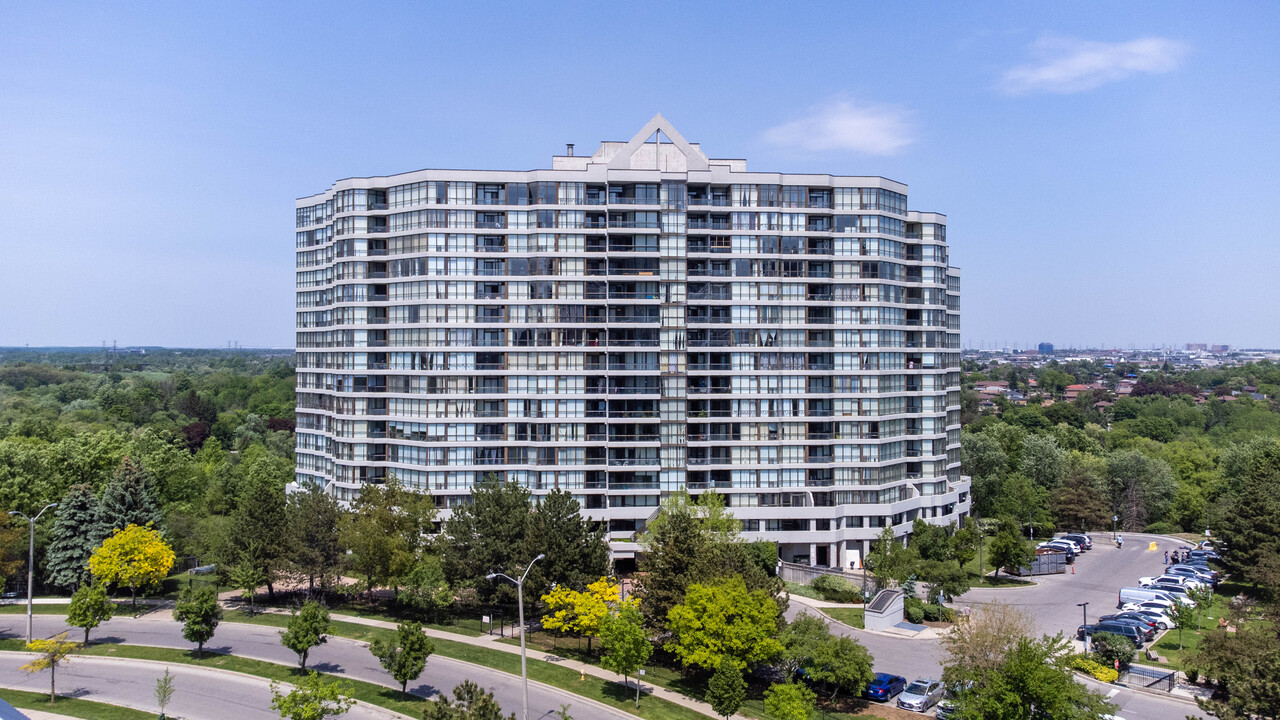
(806, 574)
(1149, 677)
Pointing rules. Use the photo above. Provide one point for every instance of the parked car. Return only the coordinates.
(1193, 573)
(1159, 618)
(1134, 635)
(947, 705)
(921, 695)
(1068, 548)
(884, 687)
(1179, 580)
(1140, 595)
(1204, 554)
(1081, 539)
(1175, 591)
(1147, 627)
(1159, 605)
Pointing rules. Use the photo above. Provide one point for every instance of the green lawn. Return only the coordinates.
(72, 707)
(851, 616)
(1167, 646)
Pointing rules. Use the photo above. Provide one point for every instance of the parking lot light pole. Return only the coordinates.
(31, 559)
(524, 672)
(1084, 620)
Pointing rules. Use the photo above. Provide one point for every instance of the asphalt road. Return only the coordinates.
(198, 693)
(339, 656)
(1099, 575)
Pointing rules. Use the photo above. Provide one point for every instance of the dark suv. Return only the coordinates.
(1125, 630)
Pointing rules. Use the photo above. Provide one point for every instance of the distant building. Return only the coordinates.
(1220, 348)
(1045, 348)
(1197, 347)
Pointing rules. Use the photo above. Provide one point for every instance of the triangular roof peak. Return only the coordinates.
(627, 159)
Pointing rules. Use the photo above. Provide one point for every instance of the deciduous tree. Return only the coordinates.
(580, 613)
(726, 690)
(405, 656)
(426, 590)
(625, 643)
(90, 607)
(312, 698)
(1008, 549)
(314, 520)
(51, 652)
(789, 701)
(306, 628)
(724, 620)
(135, 557)
(199, 612)
(387, 531)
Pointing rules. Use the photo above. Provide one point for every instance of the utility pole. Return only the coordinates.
(1084, 620)
(524, 673)
(31, 560)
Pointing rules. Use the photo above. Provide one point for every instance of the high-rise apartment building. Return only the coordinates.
(634, 322)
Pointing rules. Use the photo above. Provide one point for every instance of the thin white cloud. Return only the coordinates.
(874, 129)
(1066, 65)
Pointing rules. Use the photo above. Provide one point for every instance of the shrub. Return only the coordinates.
(836, 589)
(913, 610)
(1099, 671)
(1161, 528)
(1109, 647)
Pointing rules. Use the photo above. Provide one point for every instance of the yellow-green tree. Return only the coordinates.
(580, 613)
(52, 651)
(134, 557)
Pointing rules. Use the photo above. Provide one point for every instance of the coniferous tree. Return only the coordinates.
(314, 518)
(491, 534)
(575, 547)
(260, 523)
(67, 559)
(128, 499)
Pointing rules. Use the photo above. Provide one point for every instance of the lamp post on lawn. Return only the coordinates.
(31, 559)
(524, 673)
(1084, 620)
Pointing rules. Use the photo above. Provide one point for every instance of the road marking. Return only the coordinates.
(1112, 693)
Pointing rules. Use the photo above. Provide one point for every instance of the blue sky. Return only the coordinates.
(1108, 168)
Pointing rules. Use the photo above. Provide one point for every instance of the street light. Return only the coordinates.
(524, 673)
(31, 559)
(1084, 620)
(1114, 518)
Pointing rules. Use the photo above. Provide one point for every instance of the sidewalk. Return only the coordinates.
(492, 642)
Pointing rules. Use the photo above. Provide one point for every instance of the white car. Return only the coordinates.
(1182, 580)
(1160, 606)
(1156, 617)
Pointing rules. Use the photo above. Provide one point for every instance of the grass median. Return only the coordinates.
(72, 707)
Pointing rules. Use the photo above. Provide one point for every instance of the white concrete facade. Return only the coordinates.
(634, 322)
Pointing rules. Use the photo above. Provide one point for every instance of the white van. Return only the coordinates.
(1141, 594)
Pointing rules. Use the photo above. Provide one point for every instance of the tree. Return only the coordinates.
(248, 575)
(259, 517)
(801, 640)
(426, 590)
(387, 530)
(576, 550)
(199, 612)
(1183, 616)
(135, 557)
(1007, 548)
(983, 641)
(1142, 488)
(128, 499)
(626, 646)
(67, 558)
(724, 620)
(726, 690)
(890, 560)
(1043, 461)
(1246, 666)
(405, 657)
(490, 534)
(1032, 680)
(1080, 502)
(580, 613)
(1111, 648)
(843, 663)
(307, 628)
(90, 607)
(789, 701)
(52, 652)
(164, 691)
(314, 520)
(1249, 522)
(470, 702)
(312, 698)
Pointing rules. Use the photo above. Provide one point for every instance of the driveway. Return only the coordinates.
(339, 656)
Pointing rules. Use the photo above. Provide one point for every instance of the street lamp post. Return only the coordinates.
(1084, 620)
(524, 673)
(31, 559)
(1114, 518)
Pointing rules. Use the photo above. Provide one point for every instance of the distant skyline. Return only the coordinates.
(1101, 164)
